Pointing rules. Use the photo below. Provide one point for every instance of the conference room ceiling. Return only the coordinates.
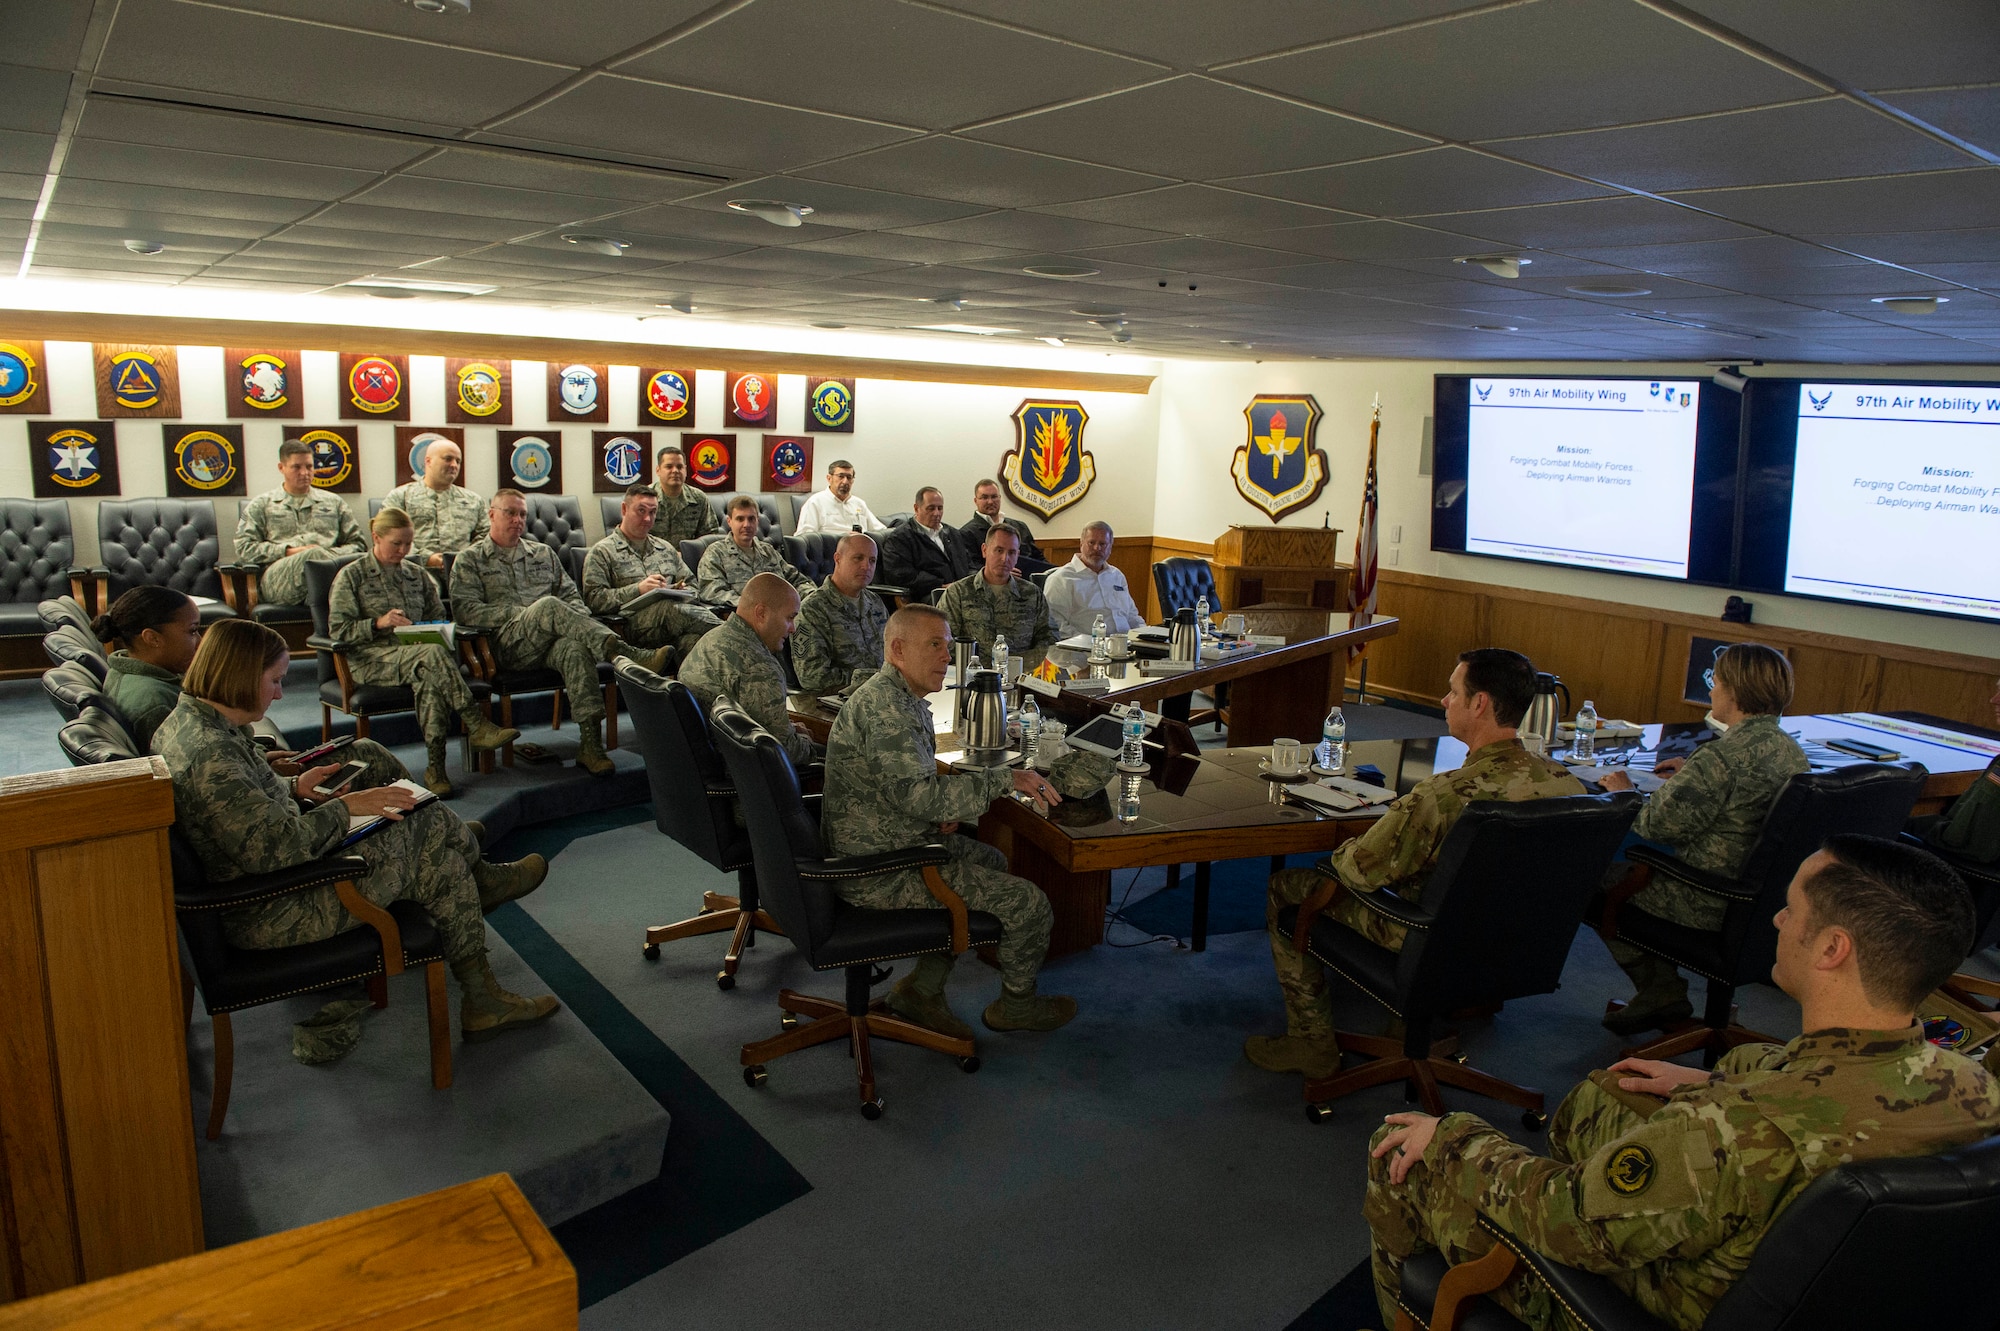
(1255, 179)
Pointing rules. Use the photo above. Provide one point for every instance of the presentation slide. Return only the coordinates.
(1592, 472)
(1896, 497)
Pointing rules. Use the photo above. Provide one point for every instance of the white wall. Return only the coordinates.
(906, 435)
(1202, 423)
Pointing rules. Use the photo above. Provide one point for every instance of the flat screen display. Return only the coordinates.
(1877, 493)
(1624, 475)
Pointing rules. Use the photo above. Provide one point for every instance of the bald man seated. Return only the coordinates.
(740, 660)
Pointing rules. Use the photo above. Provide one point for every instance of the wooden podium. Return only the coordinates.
(97, 1170)
(1279, 566)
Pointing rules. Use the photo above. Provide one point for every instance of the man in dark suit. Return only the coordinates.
(923, 554)
(986, 502)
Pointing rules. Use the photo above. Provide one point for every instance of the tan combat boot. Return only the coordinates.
(1028, 1012)
(656, 659)
(1315, 1057)
(919, 997)
(501, 883)
(487, 1010)
(590, 754)
(435, 779)
(485, 736)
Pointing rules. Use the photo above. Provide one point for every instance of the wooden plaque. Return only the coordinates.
(336, 457)
(579, 392)
(666, 395)
(788, 463)
(711, 460)
(136, 380)
(73, 458)
(374, 386)
(830, 405)
(412, 440)
(204, 460)
(750, 398)
(261, 382)
(619, 459)
(531, 460)
(24, 378)
(478, 392)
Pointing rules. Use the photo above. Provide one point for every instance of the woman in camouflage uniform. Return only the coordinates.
(241, 818)
(371, 598)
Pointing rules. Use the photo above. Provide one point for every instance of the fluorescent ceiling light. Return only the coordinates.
(775, 211)
(373, 285)
(1500, 265)
(977, 330)
(1912, 304)
(1496, 328)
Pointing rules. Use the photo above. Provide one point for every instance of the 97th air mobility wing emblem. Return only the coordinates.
(1047, 469)
(1279, 468)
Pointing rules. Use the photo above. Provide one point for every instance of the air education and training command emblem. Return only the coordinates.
(17, 375)
(1280, 468)
(478, 389)
(1047, 469)
(667, 396)
(374, 385)
(136, 380)
(204, 460)
(266, 380)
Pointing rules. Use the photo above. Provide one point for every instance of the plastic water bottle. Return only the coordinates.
(1201, 614)
(1031, 724)
(1133, 752)
(1000, 655)
(1584, 746)
(1331, 755)
(1128, 796)
(1100, 640)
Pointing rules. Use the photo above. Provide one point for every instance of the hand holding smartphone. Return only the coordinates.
(338, 783)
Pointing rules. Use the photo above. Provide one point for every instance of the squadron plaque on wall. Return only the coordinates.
(531, 460)
(750, 399)
(579, 392)
(711, 460)
(830, 405)
(374, 387)
(204, 460)
(618, 459)
(137, 381)
(788, 461)
(478, 392)
(1047, 469)
(1279, 468)
(261, 381)
(666, 395)
(24, 378)
(336, 457)
(73, 458)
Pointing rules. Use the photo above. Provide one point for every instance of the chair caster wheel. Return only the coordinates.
(650, 952)
(970, 1063)
(755, 1076)
(1319, 1113)
(872, 1109)
(788, 1022)
(1533, 1121)
(725, 981)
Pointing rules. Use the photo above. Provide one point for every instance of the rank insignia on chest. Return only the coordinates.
(1047, 470)
(1279, 468)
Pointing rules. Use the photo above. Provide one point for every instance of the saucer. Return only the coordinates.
(1290, 778)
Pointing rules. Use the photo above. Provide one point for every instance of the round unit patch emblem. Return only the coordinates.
(478, 389)
(832, 405)
(624, 461)
(135, 380)
(788, 461)
(266, 381)
(204, 460)
(17, 375)
(667, 396)
(374, 385)
(73, 459)
(532, 463)
(578, 388)
(1629, 1171)
(709, 467)
(332, 455)
(751, 397)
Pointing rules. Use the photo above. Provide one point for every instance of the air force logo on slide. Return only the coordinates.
(1484, 390)
(1819, 400)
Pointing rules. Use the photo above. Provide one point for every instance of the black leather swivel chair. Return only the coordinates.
(693, 549)
(812, 555)
(71, 687)
(797, 881)
(1500, 910)
(695, 804)
(1858, 1248)
(1873, 799)
(36, 555)
(1181, 582)
(164, 543)
(60, 610)
(68, 643)
(557, 521)
(611, 508)
(95, 737)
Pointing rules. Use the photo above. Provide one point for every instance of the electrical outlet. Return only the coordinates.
(1395, 557)
(1396, 534)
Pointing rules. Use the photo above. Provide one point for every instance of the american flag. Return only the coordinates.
(1361, 587)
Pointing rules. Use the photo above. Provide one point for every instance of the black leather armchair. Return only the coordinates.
(693, 549)
(487, 673)
(69, 644)
(812, 555)
(797, 881)
(557, 521)
(1983, 882)
(1857, 1248)
(695, 804)
(95, 737)
(37, 552)
(60, 610)
(162, 543)
(1873, 799)
(1500, 911)
(770, 522)
(1181, 582)
(71, 687)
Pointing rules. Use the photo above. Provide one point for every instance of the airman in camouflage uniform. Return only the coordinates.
(839, 639)
(367, 590)
(685, 512)
(294, 514)
(726, 569)
(239, 818)
(884, 792)
(738, 661)
(617, 567)
(445, 522)
(515, 592)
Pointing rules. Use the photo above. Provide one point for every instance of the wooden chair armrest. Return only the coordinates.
(346, 678)
(1309, 910)
(1964, 987)
(1620, 892)
(381, 921)
(961, 937)
(1467, 1281)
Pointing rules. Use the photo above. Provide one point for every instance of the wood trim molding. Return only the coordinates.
(176, 330)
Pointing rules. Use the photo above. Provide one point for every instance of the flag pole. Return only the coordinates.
(1361, 586)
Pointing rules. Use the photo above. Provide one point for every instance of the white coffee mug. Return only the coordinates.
(1284, 757)
(1233, 626)
(1119, 645)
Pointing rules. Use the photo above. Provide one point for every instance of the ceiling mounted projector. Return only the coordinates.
(775, 211)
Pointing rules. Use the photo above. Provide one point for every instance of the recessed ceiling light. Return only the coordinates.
(440, 6)
(402, 288)
(1496, 328)
(976, 330)
(1912, 304)
(610, 245)
(775, 211)
(1500, 265)
(1060, 270)
(145, 247)
(1612, 289)
(822, 323)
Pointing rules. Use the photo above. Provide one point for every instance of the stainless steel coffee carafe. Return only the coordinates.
(1544, 716)
(984, 733)
(1184, 643)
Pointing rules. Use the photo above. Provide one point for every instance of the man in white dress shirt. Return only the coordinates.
(837, 510)
(1088, 586)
